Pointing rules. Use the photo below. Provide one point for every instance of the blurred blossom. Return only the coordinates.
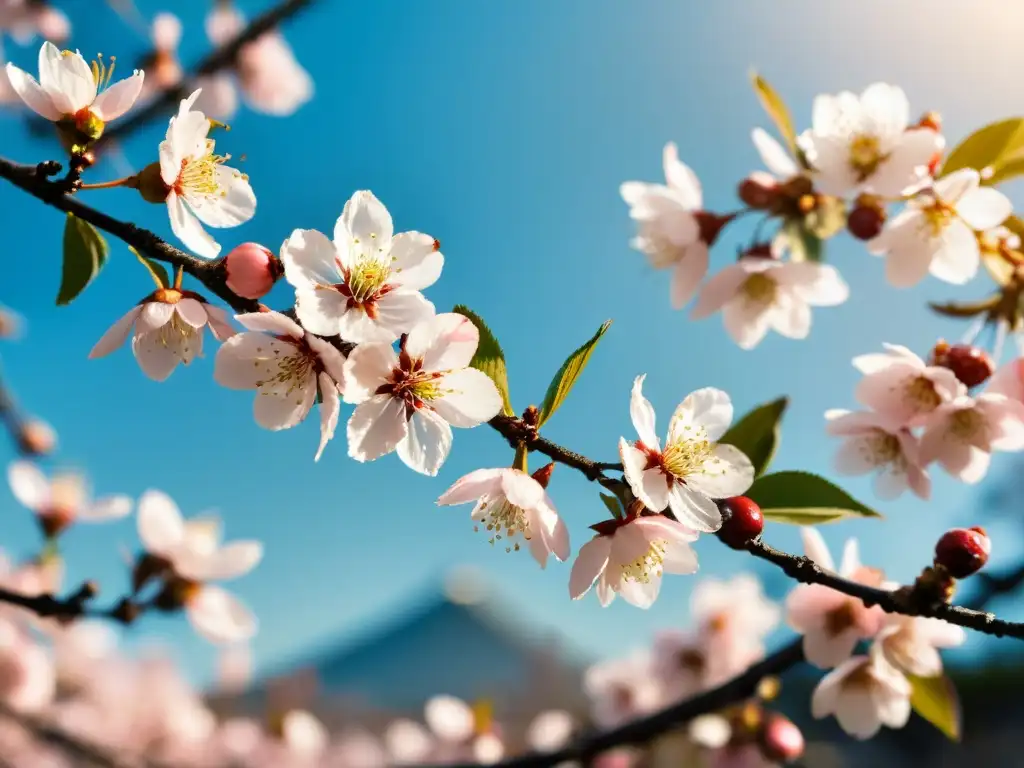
(234, 668)
(11, 323)
(863, 693)
(25, 19)
(28, 680)
(550, 730)
(163, 68)
(62, 499)
(621, 689)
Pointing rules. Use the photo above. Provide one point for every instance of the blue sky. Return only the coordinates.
(504, 130)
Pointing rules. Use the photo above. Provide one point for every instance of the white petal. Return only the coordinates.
(192, 312)
(416, 264)
(29, 485)
(427, 442)
(331, 357)
(816, 549)
(590, 563)
(470, 398)
(957, 258)
(364, 220)
(74, 87)
(189, 230)
(398, 312)
(479, 483)
(984, 208)
(775, 158)
(283, 407)
(229, 562)
(159, 521)
(727, 473)
(681, 178)
(642, 413)
(376, 427)
(271, 322)
(118, 98)
(366, 369)
(694, 509)
(719, 290)
(309, 259)
(330, 411)
(444, 342)
(116, 335)
(688, 272)
(107, 508)
(32, 93)
(156, 357)
(651, 486)
(709, 408)
(957, 184)
(220, 617)
(220, 325)
(235, 205)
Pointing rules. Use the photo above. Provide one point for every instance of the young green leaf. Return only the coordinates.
(776, 109)
(799, 495)
(156, 269)
(935, 699)
(965, 309)
(808, 516)
(489, 358)
(85, 253)
(613, 504)
(994, 146)
(567, 375)
(757, 433)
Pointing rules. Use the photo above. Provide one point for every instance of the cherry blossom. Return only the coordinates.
(510, 504)
(831, 622)
(62, 499)
(911, 643)
(775, 158)
(757, 294)
(550, 730)
(192, 549)
(24, 19)
(163, 65)
(692, 469)
(736, 614)
(621, 690)
(864, 143)
(962, 434)
(1008, 380)
(687, 662)
(166, 329)
(199, 189)
(936, 231)
(289, 369)
(408, 402)
(628, 556)
(872, 444)
(28, 680)
(864, 693)
(902, 388)
(365, 285)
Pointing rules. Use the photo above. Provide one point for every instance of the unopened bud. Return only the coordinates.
(711, 225)
(251, 270)
(543, 475)
(971, 365)
(866, 219)
(930, 120)
(963, 551)
(781, 741)
(150, 184)
(37, 438)
(531, 416)
(758, 191)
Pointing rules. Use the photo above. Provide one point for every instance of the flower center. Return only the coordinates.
(759, 288)
(883, 448)
(919, 392)
(865, 155)
(690, 660)
(687, 455)
(623, 697)
(646, 566)
(177, 335)
(198, 175)
(862, 678)
(840, 619)
(288, 372)
(967, 424)
(363, 283)
(937, 216)
(499, 515)
(102, 74)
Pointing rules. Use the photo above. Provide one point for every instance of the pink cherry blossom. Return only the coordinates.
(1008, 380)
(692, 469)
(912, 643)
(628, 557)
(902, 388)
(621, 690)
(510, 504)
(408, 402)
(454, 733)
(831, 622)
(735, 617)
(686, 663)
(757, 294)
(962, 434)
(63, 498)
(871, 444)
(864, 693)
(24, 19)
(28, 680)
(289, 369)
(166, 329)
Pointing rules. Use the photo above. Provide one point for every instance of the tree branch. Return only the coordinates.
(518, 431)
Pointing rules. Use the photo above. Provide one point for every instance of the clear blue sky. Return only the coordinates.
(504, 130)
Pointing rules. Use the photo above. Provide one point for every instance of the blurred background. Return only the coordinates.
(504, 130)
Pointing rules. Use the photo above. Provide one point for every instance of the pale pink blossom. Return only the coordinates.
(234, 668)
(454, 733)
(912, 643)
(218, 96)
(735, 616)
(901, 388)
(23, 20)
(775, 157)
(936, 232)
(356, 748)
(408, 402)
(621, 690)
(64, 498)
(872, 445)
(757, 294)
(831, 622)
(863, 693)
(550, 730)
(1008, 380)
(166, 329)
(163, 65)
(628, 556)
(691, 470)
(512, 504)
(686, 662)
(289, 369)
(962, 434)
(28, 680)
(365, 285)
(80, 648)
(406, 742)
(669, 226)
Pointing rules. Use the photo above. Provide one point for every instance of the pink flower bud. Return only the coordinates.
(252, 270)
(781, 740)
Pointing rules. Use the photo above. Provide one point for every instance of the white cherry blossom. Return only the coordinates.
(757, 294)
(962, 434)
(408, 402)
(289, 369)
(691, 470)
(166, 329)
(64, 498)
(912, 643)
(864, 143)
(936, 231)
(873, 445)
(512, 504)
(365, 285)
(864, 693)
(902, 388)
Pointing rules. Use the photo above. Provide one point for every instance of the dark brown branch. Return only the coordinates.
(518, 431)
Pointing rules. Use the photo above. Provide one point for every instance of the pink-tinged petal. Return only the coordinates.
(775, 158)
(825, 650)
(449, 718)
(407, 742)
(156, 358)
(718, 291)
(235, 205)
(192, 312)
(475, 485)
(377, 425)
(642, 414)
(223, 23)
(29, 485)
(550, 730)
(364, 225)
(37, 99)
(746, 323)
(219, 97)
(920, 483)
(469, 398)
(816, 549)
(116, 335)
(807, 605)
(427, 443)
(220, 324)
(651, 486)
(284, 407)
(153, 316)
(161, 528)
(444, 342)
(118, 98)
(166, 31)
(187, 228)
(521, 489)
(688, 273)
(416, 264)
(694, 510)
(819, 285)
(655, 527)
(590, 563)
(219, 616)
(681, 178)
(309, 259)
(554, 529)
(75, 83)
(906, 269)
(247, 360)
(841, 422)
(229, 562)
(641, 594)
(790, 316)
(331, 357)
(709, 408)
(825, 699)
(894, 354)
(857, 456)
(727, 473)
(366, 369)
(106, 508)
(605, 589)
(330, 411)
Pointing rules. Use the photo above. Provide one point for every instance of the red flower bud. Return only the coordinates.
(963, 551)
(781, 741)
(971, 365)
(543, 475)
(251, 270)
(865, 221)
(742, 521)
(758, 191)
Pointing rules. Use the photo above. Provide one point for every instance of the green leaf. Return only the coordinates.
(156, 269)
(567, 375)
(827, 219)
(791, 495)
(936, 700)
(993, 146)
(801, 244)
(613, 504)
(489, 358)
(964, 309)
(776, 109)
(757, 433)
(85, 253)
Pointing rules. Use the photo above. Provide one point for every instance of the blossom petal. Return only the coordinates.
(681, 178)
(271, 322)
(366, 369)
(37, 99)
(651, 486)
(153, 316)
(330, 411)
(522, 490)
(475, 485)
(708, 408)
(449, 718)
(284, 407)
(727, 473)
(116, 335)
(219, 616)
(719, 290)
(688, 273)
(444, 342)
(694, 510)
(416, 263)
(248, 359)
(189, 230)
(29, 485)
(234, 206)
(399, 311)
(309, 259)
(220, 325)
(160, 525)
(107, 508)
(816, 549)
(590, 563)
(156, 358)
(229, 562)
(775, 158)
(984, 208)
(192, 312)
(958, 256)
(427, 443)
(331, 357)
(642, 414)
(376, 427)
(118, 98)
(469, 398)
(364, 220)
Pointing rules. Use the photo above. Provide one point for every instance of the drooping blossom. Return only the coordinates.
(628, 556)
(166, 329)
(962, 434)
(63, 499)
(756, 294)
(863, 693)
(69, 89)
(673, 230)
(912, 643)
(408, 402)
(872, 444)
(691, 470)
(832, 622)
(902, 388)
(865, 143)
(198, 187)
(936, 231)
(289, 369)
(512, 504)
(365, 285)
(622, 689)
(192, 550)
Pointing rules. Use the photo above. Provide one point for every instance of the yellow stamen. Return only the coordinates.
(648, 565)
(759, 289)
